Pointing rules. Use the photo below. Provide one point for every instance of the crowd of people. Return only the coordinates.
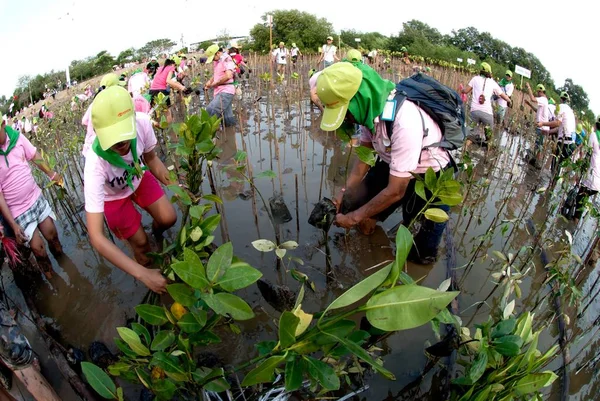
(122, 168)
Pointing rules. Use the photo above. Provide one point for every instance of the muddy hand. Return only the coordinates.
(19, 234)
(344, 220)
(154, 280)
(337, 201)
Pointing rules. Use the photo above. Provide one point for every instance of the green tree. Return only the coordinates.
(306, 30)
(412, 31)
(368, 40)
(103, 62)
(579, 98)
(126, 56)
(156, 47)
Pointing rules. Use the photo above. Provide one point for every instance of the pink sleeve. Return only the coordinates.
(407, 141)
(93, 189)
(146, 132)
(28, 148)
(87, 116)
(229, 64)
(365, 135)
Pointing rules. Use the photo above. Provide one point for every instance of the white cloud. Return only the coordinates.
(114, 25)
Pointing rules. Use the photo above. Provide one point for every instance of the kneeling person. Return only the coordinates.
(357, 94)
(122, 169)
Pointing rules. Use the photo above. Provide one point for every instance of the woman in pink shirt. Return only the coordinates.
(25, 210)
(121, 169)
(165, 79)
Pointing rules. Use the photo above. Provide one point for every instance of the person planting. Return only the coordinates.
(355, 93)
(26, 211)
(120, 170)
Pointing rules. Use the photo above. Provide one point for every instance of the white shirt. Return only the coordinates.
(508, 89)
(542, 111)
(281, 55)
(566, 130)
(592, 181)
(295, 51)
(328, 53)
(487, 87)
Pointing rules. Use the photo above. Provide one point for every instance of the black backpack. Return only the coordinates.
(440, 102)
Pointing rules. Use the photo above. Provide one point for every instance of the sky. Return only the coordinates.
(52, 33)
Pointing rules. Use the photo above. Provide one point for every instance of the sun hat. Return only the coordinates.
(210, 52)
(541, 87)
(486, 67)
(109, 80)
(329, 38)
(403, 49)
(579, 128)
(336, 85)
(353, 55)
(113, 116)
(565, 95)
(293, 45)
(509, 73)
(281, 44)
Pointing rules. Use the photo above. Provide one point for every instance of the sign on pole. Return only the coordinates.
(357, 40)
(460, 60)
(470, 61)
(269, 19)
(522, 71)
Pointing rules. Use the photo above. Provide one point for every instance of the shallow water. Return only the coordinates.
(89, 298)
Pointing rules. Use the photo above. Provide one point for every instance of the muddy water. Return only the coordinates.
(89, 298)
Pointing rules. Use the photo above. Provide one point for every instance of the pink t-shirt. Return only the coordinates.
(160, 79)
(16, 180)
(105, 182)
(491, 88)
(312, 82)
(137, 82)
(406, 144)
(89, 133)
(224, 64)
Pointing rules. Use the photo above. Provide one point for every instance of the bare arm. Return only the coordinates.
(151, 278)
(315, 98)
(157, 167)
(393, 193)
(172, 82)
(42, 165)
(468, 90)
(8, 218)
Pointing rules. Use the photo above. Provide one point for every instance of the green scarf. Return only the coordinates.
(503, 82)
(14, 137)
(116, 160)
(598, 136)
(369, 101)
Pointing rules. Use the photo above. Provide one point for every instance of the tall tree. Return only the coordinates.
(156, 47)
(579, 99)
(368, 40)
(413, 31)
(306, 30)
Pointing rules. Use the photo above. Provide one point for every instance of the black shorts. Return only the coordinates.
(294, 59)
(154, 92)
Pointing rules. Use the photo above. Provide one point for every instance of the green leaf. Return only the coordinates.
(322, 373)
(450, 199)
(504, 328)
(116, 369)
(430, 180)
(181, 193)
(264, 245)
(194, 260)
(124, 348)
(213, 198)
(164, 389)
(265, 347)
(289, 245)
(189, 324)
(163, 340)
(280, 253)
(264, 372)
(366, 155)
(364, 355)
(152, 314)
(141, 331)
(478, 367)
(360, 290)
(99, 380)
(191, 275)
(217, 385)
(294, 371)
(240, 156)
(287, 329)
(436, 215)
(120, 396)
(228, 304)
(508, 345)
(196, 234)
(133, 340)
(210, 223)
(483, 395)
(182, 293)
(219, 262)
(420, 190)
(406, 306)
(404, 241)
(267, 174)
(168, 363)
(197, 211)
(534, 382)
(239, 275)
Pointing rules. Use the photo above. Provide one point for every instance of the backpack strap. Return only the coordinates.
(389, 125)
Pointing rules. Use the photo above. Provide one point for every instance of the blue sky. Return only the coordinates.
(42, 37)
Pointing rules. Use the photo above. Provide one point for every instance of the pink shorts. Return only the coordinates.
(121, 215)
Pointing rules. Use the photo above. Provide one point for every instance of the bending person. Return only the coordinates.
(122, 169)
